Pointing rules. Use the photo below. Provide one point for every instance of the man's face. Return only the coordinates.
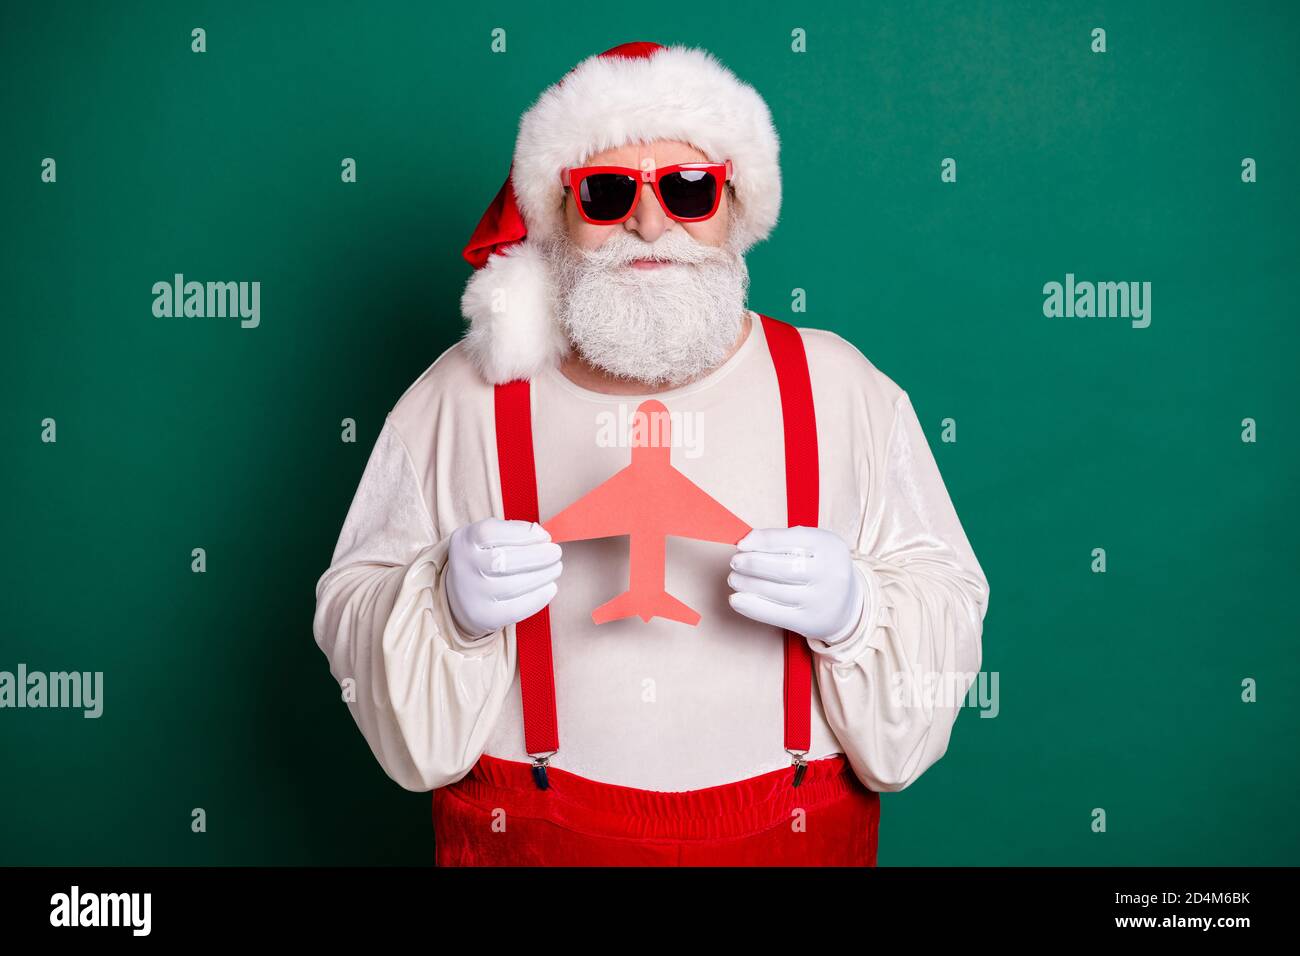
(650, 299)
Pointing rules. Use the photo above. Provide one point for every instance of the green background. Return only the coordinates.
(1118, 690)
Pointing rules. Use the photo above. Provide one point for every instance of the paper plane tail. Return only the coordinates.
(645, 606)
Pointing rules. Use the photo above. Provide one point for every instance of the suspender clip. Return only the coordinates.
(539, 770)
(800, 765)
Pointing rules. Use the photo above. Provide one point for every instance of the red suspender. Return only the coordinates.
(519, 499)
(532, 634)
(801, 479)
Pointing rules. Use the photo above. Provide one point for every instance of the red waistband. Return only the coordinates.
(728, 810)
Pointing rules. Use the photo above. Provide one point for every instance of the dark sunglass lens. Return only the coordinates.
(607, 195)
(689, 193)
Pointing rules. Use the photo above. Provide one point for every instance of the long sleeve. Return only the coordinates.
(893, 688)
(425, 696)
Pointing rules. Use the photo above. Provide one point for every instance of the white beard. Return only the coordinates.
(661, 326)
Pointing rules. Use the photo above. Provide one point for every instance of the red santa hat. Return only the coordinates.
(635, 92)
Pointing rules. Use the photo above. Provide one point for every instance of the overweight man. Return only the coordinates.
(604, 639)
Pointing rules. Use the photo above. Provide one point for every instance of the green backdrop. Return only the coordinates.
(1119, 690)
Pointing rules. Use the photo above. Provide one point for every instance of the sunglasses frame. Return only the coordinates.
(572, 177)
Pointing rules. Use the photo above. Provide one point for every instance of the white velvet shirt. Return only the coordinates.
(658, 705)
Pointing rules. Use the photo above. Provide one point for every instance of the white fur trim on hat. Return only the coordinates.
(677, 93)
(511, 310)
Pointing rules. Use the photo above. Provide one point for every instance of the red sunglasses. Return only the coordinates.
(607, 195)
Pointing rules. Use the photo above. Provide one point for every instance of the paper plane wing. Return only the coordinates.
(602, 512)
(693, 513)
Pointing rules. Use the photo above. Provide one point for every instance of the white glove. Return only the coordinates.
(802, 579)
(498, 573)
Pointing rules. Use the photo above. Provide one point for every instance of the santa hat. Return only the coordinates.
(635, 92)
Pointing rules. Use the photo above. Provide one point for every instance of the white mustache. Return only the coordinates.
(674, 245)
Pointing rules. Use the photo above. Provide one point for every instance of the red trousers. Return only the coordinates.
(496, 816)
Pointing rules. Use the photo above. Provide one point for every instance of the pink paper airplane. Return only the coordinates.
(648, 500)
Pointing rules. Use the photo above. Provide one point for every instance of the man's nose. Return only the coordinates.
(649, 221)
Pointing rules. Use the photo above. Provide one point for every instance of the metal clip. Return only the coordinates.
(800, 765)
(539, 770)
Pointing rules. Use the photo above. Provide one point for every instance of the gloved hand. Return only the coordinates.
(498, 573)
(800, 578)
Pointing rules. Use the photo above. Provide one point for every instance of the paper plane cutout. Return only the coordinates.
(648, 500)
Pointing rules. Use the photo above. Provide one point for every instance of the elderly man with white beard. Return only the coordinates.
(829, 583)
